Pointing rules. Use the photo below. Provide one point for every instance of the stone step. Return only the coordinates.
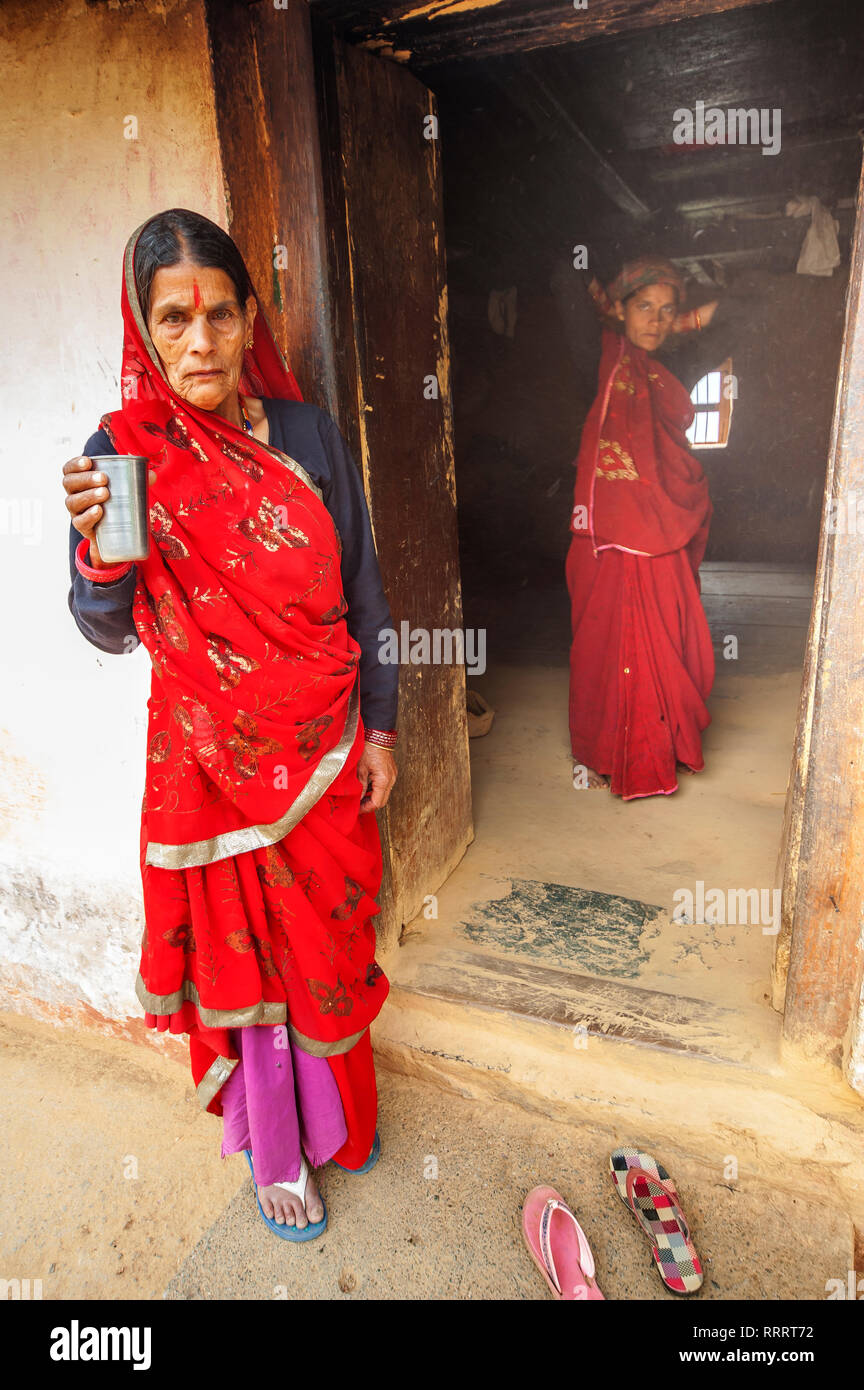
(652, 1068)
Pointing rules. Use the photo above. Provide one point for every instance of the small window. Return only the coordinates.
(712, 396)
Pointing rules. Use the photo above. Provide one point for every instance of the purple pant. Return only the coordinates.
(276, 1098)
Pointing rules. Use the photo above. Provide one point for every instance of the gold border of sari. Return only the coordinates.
(164, 856)
(214, 1079)
(269, 1012)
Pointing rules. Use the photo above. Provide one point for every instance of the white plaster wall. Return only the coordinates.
(72, 720)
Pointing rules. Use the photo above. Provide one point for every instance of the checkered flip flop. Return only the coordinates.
(647, 1189)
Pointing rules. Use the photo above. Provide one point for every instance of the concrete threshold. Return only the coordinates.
(652, 1069)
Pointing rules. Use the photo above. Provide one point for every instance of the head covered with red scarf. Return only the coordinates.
(638, 486)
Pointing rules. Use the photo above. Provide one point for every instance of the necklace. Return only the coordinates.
(247, 423)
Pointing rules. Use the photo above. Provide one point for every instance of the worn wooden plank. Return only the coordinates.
(267, 113)
(587, 1006)
(426, 34)
(765, 581)
(744, 610)
(803, 58)
(383, 194)
(823, 882)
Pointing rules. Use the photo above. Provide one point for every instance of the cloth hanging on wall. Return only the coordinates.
(820, 253)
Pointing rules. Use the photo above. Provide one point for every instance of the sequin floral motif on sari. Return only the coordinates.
(353, 894)
(275, 873)
(337, 1001)
(241, 455)
(270, 528)
(614, 462)
(243, 942)
(230, 664)
(309, 735)
(176, 433)
(159, 748)
(248, 745)
(336, 612)
(162, 526)
(165, 621)
(181, 936)
(623, 380)
(180, 773)
(195, 721)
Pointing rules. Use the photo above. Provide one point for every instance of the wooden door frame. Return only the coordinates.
(278, 77)
(819, 959)
(264, 75)
(383, 194)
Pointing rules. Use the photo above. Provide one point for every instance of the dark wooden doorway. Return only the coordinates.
(326, 152)
(331, 160)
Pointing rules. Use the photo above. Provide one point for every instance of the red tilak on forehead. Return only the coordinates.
(197, 294)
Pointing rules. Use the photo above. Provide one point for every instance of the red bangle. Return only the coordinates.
(384, 738)
(106, 575)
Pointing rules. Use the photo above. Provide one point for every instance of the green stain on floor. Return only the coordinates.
(597, 932)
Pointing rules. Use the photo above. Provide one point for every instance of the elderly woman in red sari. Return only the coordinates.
(270, 717)
(641, 660)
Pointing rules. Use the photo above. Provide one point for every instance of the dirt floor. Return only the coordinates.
(113, 1188)
(112, 1181)
(721, 828)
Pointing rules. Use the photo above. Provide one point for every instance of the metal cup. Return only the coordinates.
(122, 533)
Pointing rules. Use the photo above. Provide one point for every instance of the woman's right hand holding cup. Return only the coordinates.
(86, 492)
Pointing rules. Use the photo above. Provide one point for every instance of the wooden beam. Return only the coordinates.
(798, 154)
(267, 116)
(731, 240)
(698, 272)
(462, 31)
(823, 842)
(595, 165)
(534, 98)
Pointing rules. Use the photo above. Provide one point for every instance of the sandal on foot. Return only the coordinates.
(647, 1189)
(298, 1188)
(370, 1162)
(558, 1246)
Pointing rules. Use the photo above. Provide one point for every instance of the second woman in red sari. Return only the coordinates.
(641, 660)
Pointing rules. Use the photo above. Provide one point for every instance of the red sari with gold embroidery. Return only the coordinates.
(641, 660)
(259, 872)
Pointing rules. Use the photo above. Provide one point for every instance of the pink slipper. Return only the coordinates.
(558, 1245)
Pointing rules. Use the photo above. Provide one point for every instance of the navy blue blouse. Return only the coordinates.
(103, 612)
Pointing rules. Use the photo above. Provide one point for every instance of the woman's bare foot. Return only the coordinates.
(596, 779)
(586, 779)
(286, 1209)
